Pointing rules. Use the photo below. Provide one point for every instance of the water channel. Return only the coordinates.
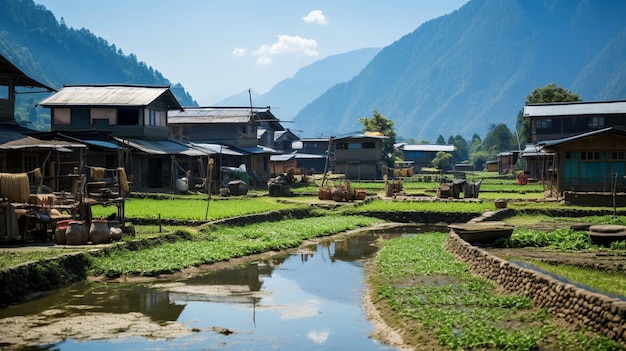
(310, 299)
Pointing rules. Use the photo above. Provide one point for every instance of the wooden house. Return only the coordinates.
(235, 128)
(590, 162)
(422, 155)
(134, 118)
(315, 155)
(359, 156)
(553, 121)
(21, 151)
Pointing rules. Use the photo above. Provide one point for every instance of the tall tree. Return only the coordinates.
(499, 138)
(381, 124)
(546, 94)
(440, 140)
(461, 152)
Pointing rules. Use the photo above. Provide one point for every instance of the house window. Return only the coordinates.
(568, 155)
(596, 122)
(544, 124)
(62, 115)
(152, 121)
(618, 155)
(128, 116)
(590, 156)
(102, 116)
(369, 145)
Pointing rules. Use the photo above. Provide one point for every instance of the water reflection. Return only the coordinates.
(306, 300)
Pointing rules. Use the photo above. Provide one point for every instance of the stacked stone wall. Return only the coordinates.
(577, 306)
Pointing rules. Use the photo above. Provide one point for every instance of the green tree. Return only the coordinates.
(442, 160)
(440, 140)
(546, 94)
(381, 124)
(499, 138)
(461, 152)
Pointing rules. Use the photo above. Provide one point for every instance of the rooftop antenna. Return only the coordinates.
(250, 98)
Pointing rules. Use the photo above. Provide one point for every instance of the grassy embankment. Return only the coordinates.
(432, 299)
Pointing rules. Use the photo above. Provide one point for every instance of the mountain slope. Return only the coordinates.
(289, 96)
(461, 73)
(50, 52)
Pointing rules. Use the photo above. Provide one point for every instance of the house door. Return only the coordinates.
(155, 173)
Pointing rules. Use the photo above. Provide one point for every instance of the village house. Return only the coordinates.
(556, 121)
(359, 156)
(235, 129)
(590, 162)
(123, 126)
(422, 155)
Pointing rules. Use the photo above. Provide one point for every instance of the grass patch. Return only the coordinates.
(563, 239)
(607, 282)
(422, 206)
(193, 208)
(219, 243)
(458, 309)
(13, 258)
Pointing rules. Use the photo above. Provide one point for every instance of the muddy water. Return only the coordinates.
(308, 300)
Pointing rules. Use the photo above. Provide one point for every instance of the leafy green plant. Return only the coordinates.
(422, 282)
(219, 243)
(559, 239)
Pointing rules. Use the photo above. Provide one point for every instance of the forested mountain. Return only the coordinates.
(461, 73)
(289, 96)
(50, 52)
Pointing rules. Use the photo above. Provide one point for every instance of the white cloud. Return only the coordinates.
(319, 337)
(239, 52)
(264, 61)
(315, 16)
(284, 45)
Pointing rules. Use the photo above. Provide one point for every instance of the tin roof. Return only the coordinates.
(162, 147)
(110, 95)
(575, 108)
(191, 115)
(218, 149)
(557, 142)
(425, 147)
(14, 141)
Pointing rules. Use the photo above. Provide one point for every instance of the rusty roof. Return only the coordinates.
(110, 95)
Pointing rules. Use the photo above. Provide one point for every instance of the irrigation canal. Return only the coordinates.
(308, 300)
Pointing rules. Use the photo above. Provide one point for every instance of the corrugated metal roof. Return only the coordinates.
(610, 130)
(426, 147)
(192, 115)
(575, 108)
(162, 147)
(282, 158)
(12, 140)
(108, 95)
(259, 149)
(218, 149)
(360, 135)
(102, 143)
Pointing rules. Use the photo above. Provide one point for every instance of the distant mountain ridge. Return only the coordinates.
(462, 72)
(290, 95)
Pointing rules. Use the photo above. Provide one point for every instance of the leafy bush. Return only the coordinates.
(559, 239)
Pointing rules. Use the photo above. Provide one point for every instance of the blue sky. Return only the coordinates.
(218, 48)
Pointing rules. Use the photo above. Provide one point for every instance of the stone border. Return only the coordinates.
(577, 306)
